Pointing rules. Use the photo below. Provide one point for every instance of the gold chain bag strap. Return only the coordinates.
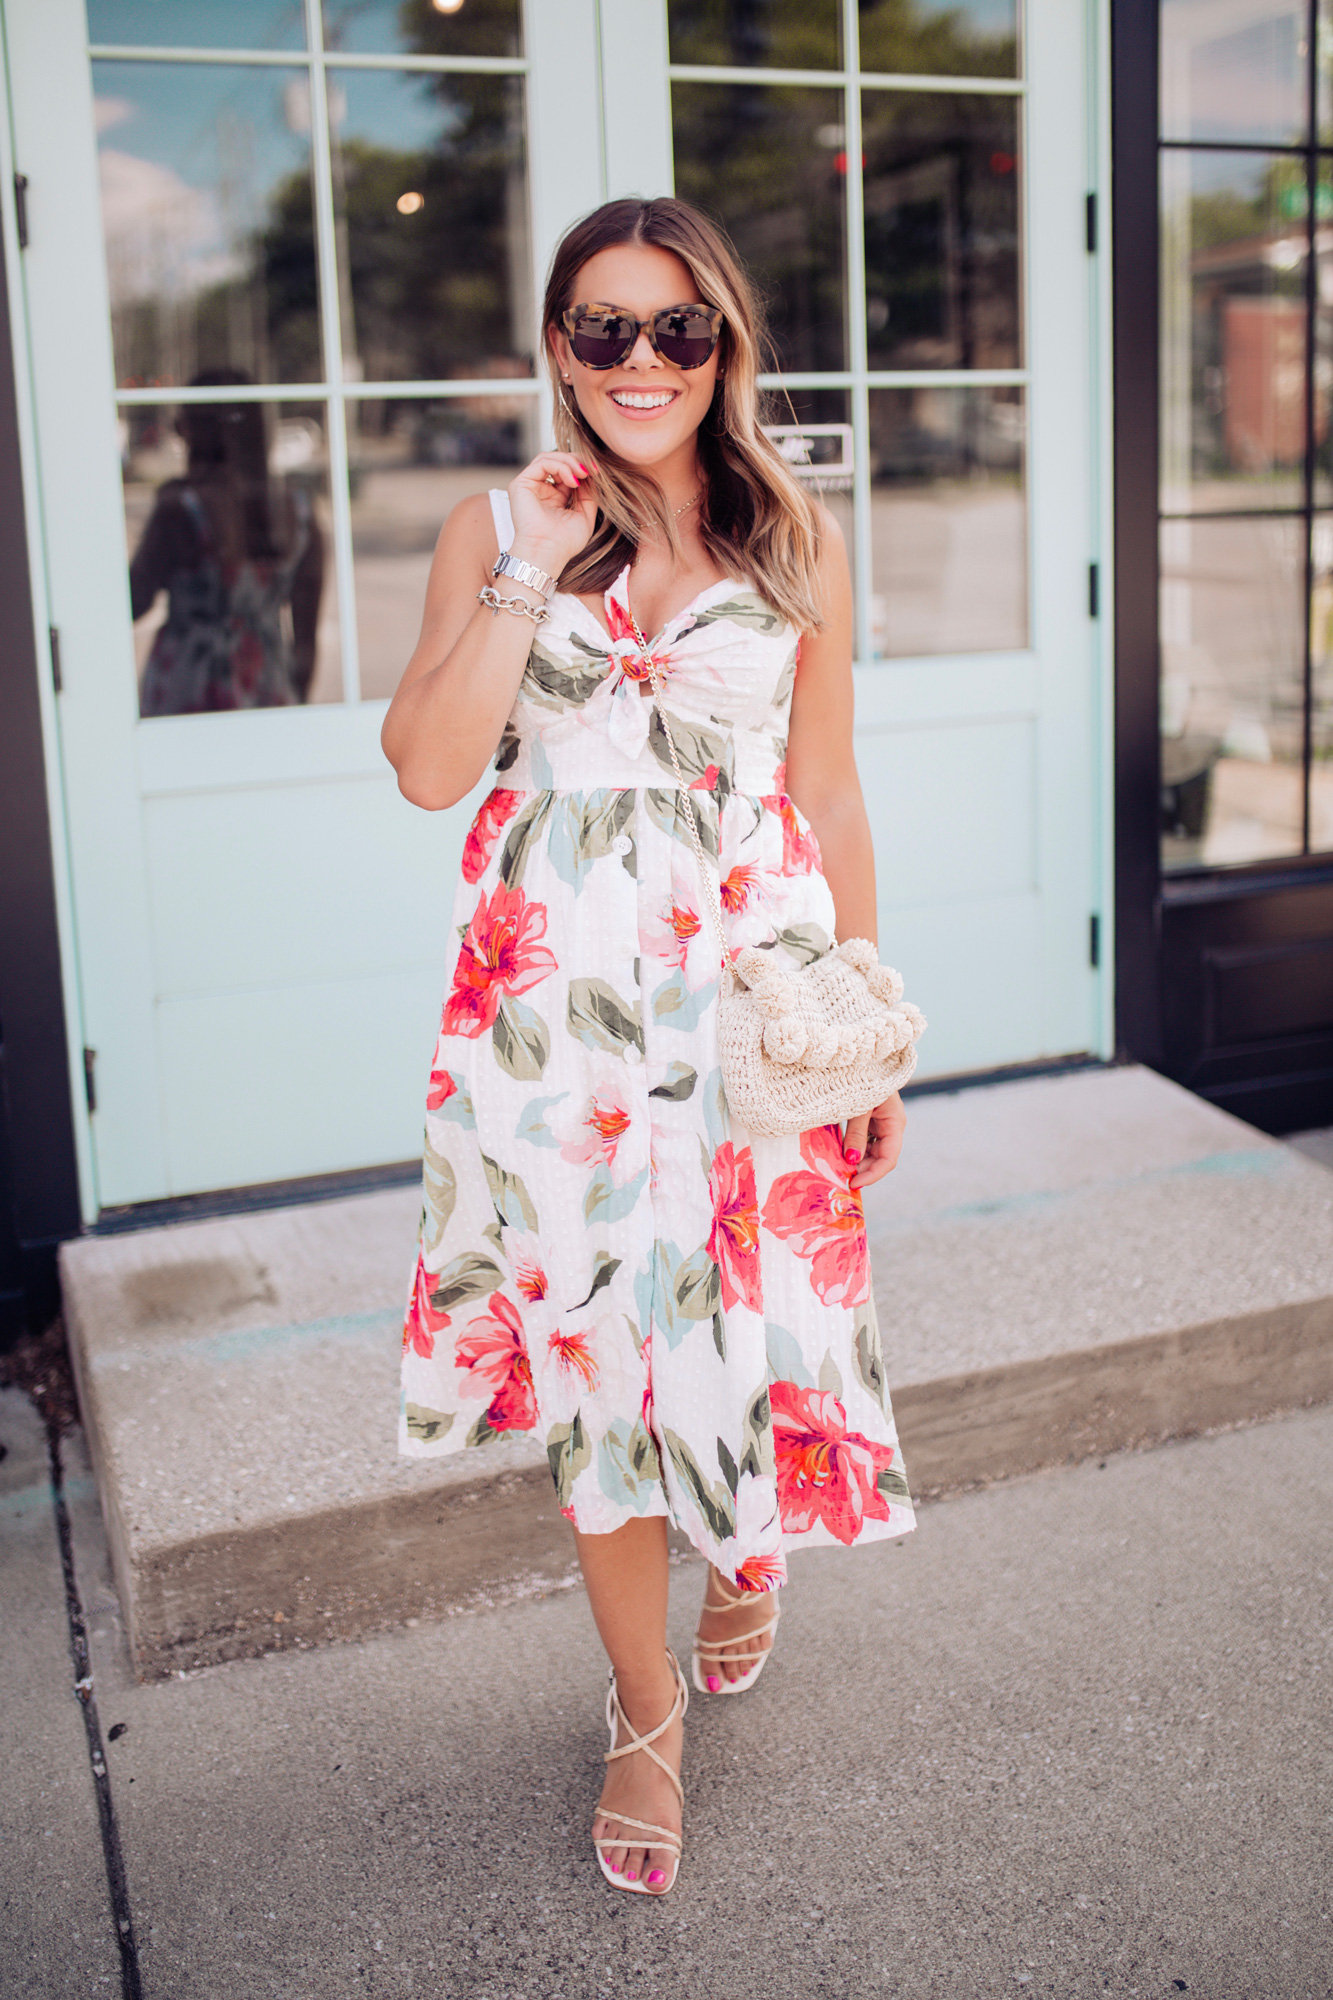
(803, 1048)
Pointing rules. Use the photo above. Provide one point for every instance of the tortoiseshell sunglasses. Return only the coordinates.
(602, 336)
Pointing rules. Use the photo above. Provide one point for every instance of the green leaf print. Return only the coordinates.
(520, 1040)
(748, 609)
(786, 1363)
(805, 942)
(628, 1469)
(605, 817)
(554, 683)
(482, 1431)
(678, 1084)
(532, 1124)
(720, 1334)
(507, 755)
(714, 1502)
(603, 1201)
(891, 1483)
(605, 1269)
(524, 831)
(869, 1357)
(716, 1122)
(674, 1006)
(698, 1286)
(568, 1451)
(513, 1204)
(700, 750)
(730, 1470)
(441, 1192)
(782, 694)
(758, 1456)
(458, 1105)
(427, 1426)
(667, 811)
(467, 1277)
(600, 1019)
(830, 1379)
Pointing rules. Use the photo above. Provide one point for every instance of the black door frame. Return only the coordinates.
(1175, 936)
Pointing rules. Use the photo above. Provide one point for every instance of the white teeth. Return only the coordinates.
(631, 399)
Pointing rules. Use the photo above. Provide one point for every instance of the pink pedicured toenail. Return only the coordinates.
(630, 1875)
(713, 1684)
(615, 1867)
(656, 1876)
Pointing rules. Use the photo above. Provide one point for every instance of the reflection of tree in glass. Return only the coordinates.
(898, 37)
(476, 28)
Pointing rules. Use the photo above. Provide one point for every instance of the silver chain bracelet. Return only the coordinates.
(488, 595)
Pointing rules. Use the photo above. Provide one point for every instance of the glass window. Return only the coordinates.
(424, 27)
(198, 24)
(411, 465)
(1234, 70)
(770, 163)
(949, 521)
(208, 219)
(813, 430)
(1233, 696)
(1233, 318)
(430, 194)
(942, 221)
(1321, 676)
(940, 37)
(777, 34)
(228, 537)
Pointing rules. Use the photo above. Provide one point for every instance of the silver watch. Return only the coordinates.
(525, 572)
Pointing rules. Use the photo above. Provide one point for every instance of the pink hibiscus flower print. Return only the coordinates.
(492, 815)
(501, 954)
(422, 1322)
(628, 659)
(734, 1242)
(493, 1345)
(442, 1088)
(530, 1281)
(572, 1353)
(819, 1213)
(826, 1473)
(762, 1573)
(800, 851)
(737, 887)
(593, 1133)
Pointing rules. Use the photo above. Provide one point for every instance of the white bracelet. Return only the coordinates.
(518, 605)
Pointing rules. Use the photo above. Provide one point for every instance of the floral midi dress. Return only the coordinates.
(679, 1308)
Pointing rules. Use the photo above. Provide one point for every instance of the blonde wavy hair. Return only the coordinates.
(754, 515)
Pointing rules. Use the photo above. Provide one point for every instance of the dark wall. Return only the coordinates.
(39, 1200)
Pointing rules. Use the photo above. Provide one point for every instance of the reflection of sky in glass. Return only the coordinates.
(1233, 74)
(401, 112)
(198, 24)
(390, 27)
(172, 119)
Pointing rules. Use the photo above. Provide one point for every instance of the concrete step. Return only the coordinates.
(1063, 1267)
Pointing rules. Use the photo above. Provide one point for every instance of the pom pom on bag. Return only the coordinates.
(800, 1049)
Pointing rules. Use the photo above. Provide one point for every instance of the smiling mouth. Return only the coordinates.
(644, 399)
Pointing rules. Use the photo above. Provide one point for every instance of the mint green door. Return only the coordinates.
(306, 242)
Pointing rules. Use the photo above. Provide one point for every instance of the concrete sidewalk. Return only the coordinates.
(1072, 1738)
(1063, 1266)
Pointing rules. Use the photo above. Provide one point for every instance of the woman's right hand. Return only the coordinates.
(553, 509)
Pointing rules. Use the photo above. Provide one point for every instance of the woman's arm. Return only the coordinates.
(454, 699)
(822, 779)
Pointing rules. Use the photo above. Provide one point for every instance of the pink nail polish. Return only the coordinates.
(615, 1867)
(853, 1158)
(656, 1876)
(630, 1876)
(713, 1684)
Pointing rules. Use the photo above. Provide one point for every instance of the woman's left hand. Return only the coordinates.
(871, 1143)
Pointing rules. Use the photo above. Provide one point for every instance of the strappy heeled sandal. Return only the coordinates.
(709, 1652)
(666, 1840)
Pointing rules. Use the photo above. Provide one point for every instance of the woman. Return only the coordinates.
(681, 1310)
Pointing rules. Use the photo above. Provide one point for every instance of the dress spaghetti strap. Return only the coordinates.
(500, 514)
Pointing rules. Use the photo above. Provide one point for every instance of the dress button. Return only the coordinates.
(633, 1055)
(621, 844)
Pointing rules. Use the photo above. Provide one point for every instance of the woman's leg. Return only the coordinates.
(737, 1628)
(626, 1575)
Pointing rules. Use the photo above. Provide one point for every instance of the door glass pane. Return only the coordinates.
(424, 27)
(1233, 250)
(771, 163)
(949, 521)
(942, 217)
(814, 434)
(198, 24)
(1234, 69)
(1321, 669)
(411, 465)
(1232, 696)
(783, 34)
(209, 225)
(227, 530)
(940, 37)
(431, 199)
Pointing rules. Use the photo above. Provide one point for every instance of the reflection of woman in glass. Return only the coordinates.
(678, 1307)
(241, 558)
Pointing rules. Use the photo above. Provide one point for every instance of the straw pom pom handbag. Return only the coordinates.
(803, 1048)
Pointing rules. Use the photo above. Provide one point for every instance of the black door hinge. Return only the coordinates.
(1090, 224)
(90, 1078)
(57, 677)
(1094, 941)
(21, 208)
(1094, 591)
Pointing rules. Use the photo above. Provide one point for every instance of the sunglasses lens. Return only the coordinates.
(601, 339)
(686, 339)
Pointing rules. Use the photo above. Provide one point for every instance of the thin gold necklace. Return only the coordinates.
(678, 511)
